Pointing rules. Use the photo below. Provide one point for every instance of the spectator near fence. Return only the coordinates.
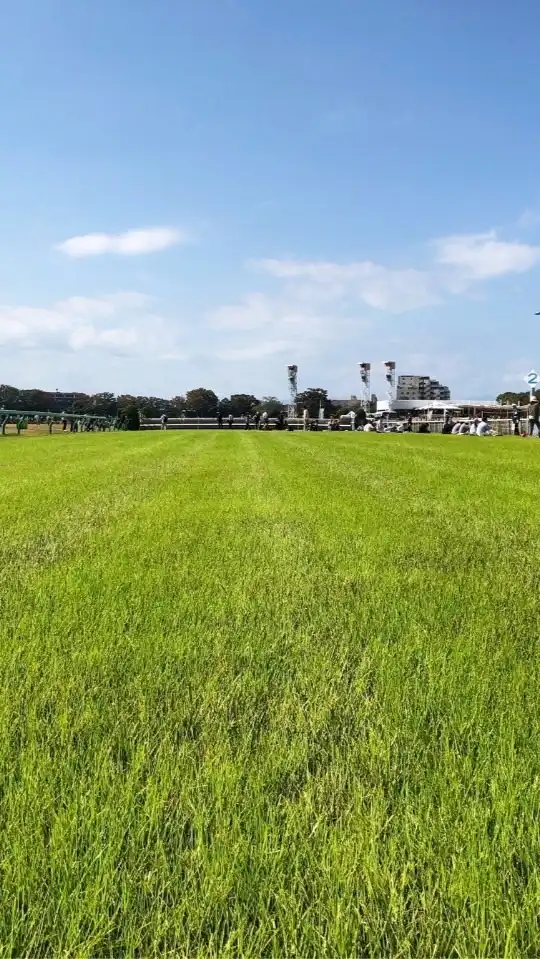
(483, 428)
(534, 418)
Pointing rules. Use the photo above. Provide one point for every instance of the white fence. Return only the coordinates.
(503, 427)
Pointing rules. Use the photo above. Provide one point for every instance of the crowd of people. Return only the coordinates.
(523, 424)
(474, 427)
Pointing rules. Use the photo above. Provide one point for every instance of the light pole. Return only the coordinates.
(365, 376)
(390, 372)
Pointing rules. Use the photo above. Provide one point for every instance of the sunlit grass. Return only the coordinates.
(269, 694)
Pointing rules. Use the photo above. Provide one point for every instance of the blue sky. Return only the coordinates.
(199, 193)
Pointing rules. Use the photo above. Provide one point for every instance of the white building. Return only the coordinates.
(421, 388)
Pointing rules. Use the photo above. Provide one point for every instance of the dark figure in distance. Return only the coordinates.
(220, 420)
(534, 416)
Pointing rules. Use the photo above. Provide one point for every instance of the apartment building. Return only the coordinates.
(421, 388)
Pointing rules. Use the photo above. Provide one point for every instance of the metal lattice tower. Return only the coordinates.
(292, 374)
(365, 376)
(390, 371)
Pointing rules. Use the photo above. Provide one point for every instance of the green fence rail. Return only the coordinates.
(80, 423)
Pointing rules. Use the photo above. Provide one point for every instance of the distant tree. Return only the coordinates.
(103, 404)
(176, 405)
(204, 402)
(312, 399)
(36, 400)
(10, 397)
(82, 403)
(129, 418)
(270, 405)
(520, 398)
(240, 403)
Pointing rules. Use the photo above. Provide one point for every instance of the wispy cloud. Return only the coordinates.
(257, 311)
(119, 324)
(256, 351)
(318, 303)
(457, 264)
(529, 219)
(481, 256)
(131, 243)
(384, 289)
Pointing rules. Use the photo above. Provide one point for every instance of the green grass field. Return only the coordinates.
(269, 695)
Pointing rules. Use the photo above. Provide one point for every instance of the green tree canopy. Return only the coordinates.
(240, 403)
(204, 402)
(312, 399)
(270, 405)
(520, 398)
(129, 417)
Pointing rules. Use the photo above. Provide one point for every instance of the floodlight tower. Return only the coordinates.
(390, 372)
(365, 376)
(292, 374)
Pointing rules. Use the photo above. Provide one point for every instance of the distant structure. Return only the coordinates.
(390, 373)
(292, 374)
(365, 376)
(421, 388)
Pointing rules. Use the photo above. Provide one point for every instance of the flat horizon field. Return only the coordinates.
(269, 695)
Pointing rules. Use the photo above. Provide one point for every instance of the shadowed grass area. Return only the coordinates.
(269, 694)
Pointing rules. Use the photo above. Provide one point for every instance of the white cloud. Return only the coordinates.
(117, 340)
(457, 264)
(396, 291)
(118, 323)
(529, 219)
(131, 243)
(106, 306)
(481, 256)
(260, 326)
(257, 311)
(256, 351)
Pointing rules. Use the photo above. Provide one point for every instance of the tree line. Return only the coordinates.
(196, 402)
(520, 399)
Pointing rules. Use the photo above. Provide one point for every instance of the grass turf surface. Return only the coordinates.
(269, 695)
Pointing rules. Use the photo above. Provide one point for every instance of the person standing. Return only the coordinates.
(220, 420)
(257, 419)
(164, 421)
(265, 420)
(534, 416)
(247, 419)
(305, 417)
(231, 420)
(516, 419)
(352, 415)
